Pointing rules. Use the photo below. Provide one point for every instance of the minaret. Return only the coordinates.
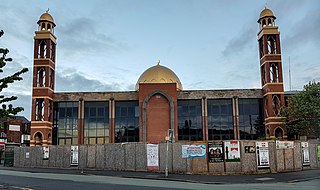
(43, 81)
(271, 74)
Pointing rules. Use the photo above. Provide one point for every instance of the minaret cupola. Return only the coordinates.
(267, 19)
(46, 22)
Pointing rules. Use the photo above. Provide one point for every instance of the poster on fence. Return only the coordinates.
(305, 153)
(215, 151)
(194, 151)
(45, 153)
(232, 151)
(284, 144)
(74, 160)
(152, 157)
(262, 153)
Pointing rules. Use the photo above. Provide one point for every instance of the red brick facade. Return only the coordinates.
(158, 108)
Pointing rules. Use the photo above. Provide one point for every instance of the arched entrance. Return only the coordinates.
(158, 117)
(38, 138)
(278, 133)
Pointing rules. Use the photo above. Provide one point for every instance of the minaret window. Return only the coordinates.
(52, 51)
(41, 77)
(49, 27)
(274, 73)
(264, 75)
(276, 104)
(261, 48)
(272, 47)
(50, 110)
(51, 79)
(42, 49)
(266, 107)
(43, 26)
(40, 106)
(264, 23)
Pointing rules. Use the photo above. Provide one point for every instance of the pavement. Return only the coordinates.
(288, 177)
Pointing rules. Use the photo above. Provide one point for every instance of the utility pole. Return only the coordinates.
(290, 87)
(169, 138)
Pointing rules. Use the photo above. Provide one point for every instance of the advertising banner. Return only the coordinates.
(305, 153)
(215, 151)
(45, 153)
(152, 157)
(262, 153)
(194, 151)
(232, 151)
(74, 160)
(284, 144)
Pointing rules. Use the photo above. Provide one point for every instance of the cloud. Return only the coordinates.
(22, 87)
(306, 30)
(69, 80)
(239, 43)
(80, 37)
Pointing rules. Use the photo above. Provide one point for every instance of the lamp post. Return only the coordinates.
(169, 138)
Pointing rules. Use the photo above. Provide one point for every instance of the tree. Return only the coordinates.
(7, 111)
(303, 112)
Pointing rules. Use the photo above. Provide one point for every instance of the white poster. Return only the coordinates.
(194, 151)
(232, 151)
(74, 161)
(284, 144)
(262, 153)
(27, 155)
(305, 153)
(45, 153)
(14, 127)
(152, 157)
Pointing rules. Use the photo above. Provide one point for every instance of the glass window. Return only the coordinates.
(189, 120)
(66, 121)
(250, 119)
(127, 121)
(220, 122)
(96, 122)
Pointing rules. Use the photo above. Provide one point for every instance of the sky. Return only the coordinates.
(105, 45)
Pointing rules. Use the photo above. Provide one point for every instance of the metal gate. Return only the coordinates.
(9, 156)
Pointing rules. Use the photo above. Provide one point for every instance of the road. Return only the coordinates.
(29, 180)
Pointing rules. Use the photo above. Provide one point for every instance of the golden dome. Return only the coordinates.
(266, 13)
(159, 74)
(46, 17)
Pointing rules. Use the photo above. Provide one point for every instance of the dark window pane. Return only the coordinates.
(93, 112)
(127, 121)
(100, 111)
(189, 120)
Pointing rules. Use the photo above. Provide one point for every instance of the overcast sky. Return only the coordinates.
(105, 45)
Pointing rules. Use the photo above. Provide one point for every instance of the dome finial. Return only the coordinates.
(47, 10)
(266, 6)
(158, 62)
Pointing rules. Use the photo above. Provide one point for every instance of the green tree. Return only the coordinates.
(7, 110)
(303, 112)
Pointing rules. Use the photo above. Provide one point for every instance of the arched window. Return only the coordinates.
(278, 133)
(276, 105)
(269, 22)
(264, 23)
(43, 26)
(48, 27)
(38, 138)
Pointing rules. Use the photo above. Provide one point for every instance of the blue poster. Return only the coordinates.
(194, 151)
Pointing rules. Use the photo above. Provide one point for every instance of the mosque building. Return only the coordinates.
(159, 106)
